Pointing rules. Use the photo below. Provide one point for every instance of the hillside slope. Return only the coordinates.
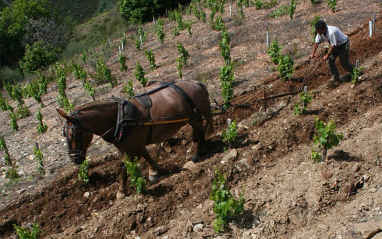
(287, 194)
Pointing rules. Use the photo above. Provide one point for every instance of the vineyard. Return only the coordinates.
(266, 163)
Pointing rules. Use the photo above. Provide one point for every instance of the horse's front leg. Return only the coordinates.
(154, 169)
(122, 189)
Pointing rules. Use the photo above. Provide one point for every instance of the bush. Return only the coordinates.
(332, 4)
(225, 205)
(37, 57)
(8, 74)
(274, 51)
(286, 67)
(26, 233)
(282, 10)
(226, 79)
(326, 138)
(139, 11)
(133, 171)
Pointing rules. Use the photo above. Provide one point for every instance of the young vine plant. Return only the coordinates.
(305, 99)
(41, 127)
(226, 206)
(39, 156)
(140, 74)
(133, 171)
(83, 171)
(229, 136)
(129, 89)
(326, 138)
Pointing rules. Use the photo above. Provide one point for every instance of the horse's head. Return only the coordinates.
(77, 136)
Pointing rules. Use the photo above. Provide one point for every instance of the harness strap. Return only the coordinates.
(184, 95)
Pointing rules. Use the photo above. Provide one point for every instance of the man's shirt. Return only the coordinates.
(333, 36)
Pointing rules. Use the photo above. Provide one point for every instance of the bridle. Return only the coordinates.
(78, 135)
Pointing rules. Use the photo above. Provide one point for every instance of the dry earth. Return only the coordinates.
(287, 194)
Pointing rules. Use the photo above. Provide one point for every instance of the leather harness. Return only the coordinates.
(127, 112)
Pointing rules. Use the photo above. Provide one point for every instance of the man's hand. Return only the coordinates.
(311, 56)
(326, 57)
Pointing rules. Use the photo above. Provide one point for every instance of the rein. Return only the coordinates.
(79, 129)
(76, 130)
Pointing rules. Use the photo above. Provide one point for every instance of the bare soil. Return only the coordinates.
(287, 194)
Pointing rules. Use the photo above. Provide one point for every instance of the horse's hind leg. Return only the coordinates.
(199, 133)
(154, 169)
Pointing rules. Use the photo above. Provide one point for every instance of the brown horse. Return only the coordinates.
(150, 118)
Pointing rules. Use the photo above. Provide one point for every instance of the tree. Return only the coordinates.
(37, 57)
(139, 11)
(13, 26)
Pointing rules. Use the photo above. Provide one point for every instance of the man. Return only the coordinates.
(339, 47)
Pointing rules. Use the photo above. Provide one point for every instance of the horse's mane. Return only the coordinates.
(100, 104)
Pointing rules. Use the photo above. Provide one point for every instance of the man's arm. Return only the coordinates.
(314, 50)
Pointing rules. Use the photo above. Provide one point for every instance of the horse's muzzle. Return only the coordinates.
(77, 159)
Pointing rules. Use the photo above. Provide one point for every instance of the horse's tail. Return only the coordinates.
(209, 126)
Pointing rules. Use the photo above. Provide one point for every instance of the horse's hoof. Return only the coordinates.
(120, 195)
(195, 158)
(153, 178)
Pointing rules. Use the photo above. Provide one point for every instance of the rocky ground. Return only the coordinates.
(287, 194)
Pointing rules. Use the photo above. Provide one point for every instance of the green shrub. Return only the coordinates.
(24, 233)
(230, 135)
(3, 147)
(274, 51)
(122, 61)
(226, 80)
(140, 74)
(305, 100)
(312, 24)
(258, 4)
(183, 53)
(271, 4)
(39, 156)
(37, 57)
(285, 67)
(224, 47)
(179, 66)
(13, 121)
(103, 74)
(83, 171)
(22, 112)
(8, 74)
(159, 29)
(41, 127)
(314, 2)
(139, 11)
(151, 59)
(292, 8)
(129, 89)
(226, 206)
(281, 11)
(333, 5)
(357, 71)
(37, 88)
(133, 171)
(4, 105)
(326, 138)
(12, 173)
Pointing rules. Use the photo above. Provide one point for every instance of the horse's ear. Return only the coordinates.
(64, 115)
